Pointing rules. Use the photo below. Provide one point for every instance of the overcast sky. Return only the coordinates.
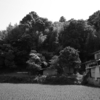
(12, 11)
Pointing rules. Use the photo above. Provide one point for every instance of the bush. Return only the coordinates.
(84, 81)
(34, 63)
(16, 79)
(61, 80)
(7, 57)
(40, 79)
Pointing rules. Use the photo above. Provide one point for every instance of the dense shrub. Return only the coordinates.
(36, 63)
(16, 78)
(7, 57)
(68, 58)
(56, 80)
(84, 80)
(9, 79)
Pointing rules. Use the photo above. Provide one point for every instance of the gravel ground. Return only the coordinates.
(48, 92)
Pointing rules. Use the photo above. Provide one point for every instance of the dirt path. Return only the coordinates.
(48, 92)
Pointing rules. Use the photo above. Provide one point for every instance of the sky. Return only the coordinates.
(12, 11)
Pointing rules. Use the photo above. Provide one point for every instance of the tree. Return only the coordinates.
(28, 35)
(29, 18)
(35, 62)
(54, 63)
(4, 33)
(94, 20)
(62, 19)
(51, 43)
(22, 43)
(76, 34)
(7, 57)
(35, 23)
(69, 57)
(47, 38)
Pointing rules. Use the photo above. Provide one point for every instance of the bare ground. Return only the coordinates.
(48, 92)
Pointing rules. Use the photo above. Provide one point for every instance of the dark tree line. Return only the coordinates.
(48, 39)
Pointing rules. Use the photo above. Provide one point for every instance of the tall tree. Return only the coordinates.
(69, 56)
(76, 34)
(62, 19)
(94, 20)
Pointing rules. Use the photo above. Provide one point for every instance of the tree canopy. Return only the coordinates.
(49, 39)
(62, 19)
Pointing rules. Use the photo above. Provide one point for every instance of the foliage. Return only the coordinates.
(57, 80)
(7, 57)
(77, 34)
(54, 63)
(16, 78)
(62, 19)
(48, 39)
(34, 22)
(54, 59)
(51, 43)
(94, 20)
(34, 63)
(69, 57)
